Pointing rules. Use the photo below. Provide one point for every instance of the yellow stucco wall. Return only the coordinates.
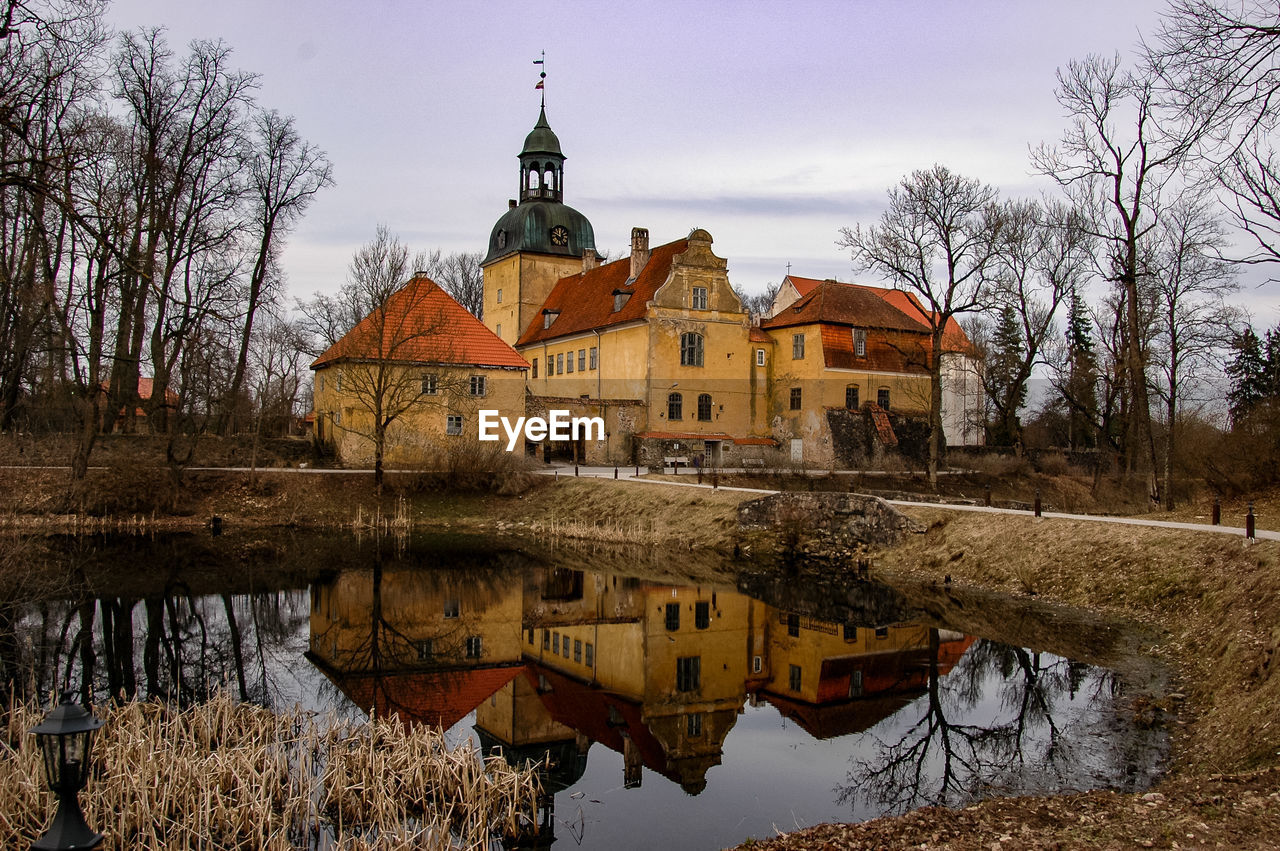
(524, 281)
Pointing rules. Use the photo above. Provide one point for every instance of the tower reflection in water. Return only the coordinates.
(552, 661)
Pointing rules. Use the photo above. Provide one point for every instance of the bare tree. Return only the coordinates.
(1193, 320)
(1115, 178)
(285, 173)
(459, 274)
(937, 242)
(373, 359)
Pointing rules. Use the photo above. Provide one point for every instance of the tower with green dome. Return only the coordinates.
(536, 242)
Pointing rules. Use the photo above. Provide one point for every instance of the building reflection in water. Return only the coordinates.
(552, 661)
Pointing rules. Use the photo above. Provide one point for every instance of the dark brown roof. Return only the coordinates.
(844, 304)
(585, 301)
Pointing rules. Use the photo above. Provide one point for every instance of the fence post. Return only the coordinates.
(1248, 523)
(575, 470)
(1038, 511)
(988, 497)
(1217, 511)
(637, 471)
(615, 471)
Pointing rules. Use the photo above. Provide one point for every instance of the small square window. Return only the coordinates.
(797, 346)
(474, 647)
(850, 632)
(794, 678)
(582, 360)
(453, 424)
(595, 357)
(795, 399)
(477, 385)
(699, 298)
(429, 385)
(452, 607)
(882, 632)
(759, 357)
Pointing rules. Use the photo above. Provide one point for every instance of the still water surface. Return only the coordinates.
(665, 713)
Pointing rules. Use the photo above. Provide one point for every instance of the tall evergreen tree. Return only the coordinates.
(1005, 388)
(1081, 392)
(1248, 374)
(1271, 368)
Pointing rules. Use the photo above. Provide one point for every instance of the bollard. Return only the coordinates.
(1038, 512)
(699, 475)
(1248, 523)
(637, 471)
(575, 470)
(557, 475)
(615, 471)
(1217, 511)
(987, 501)
(715, 479)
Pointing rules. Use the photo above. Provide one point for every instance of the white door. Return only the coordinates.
(797, 450)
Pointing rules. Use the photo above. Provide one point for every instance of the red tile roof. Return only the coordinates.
(804, 286)
(843, 304)
(585, 300)
(953, 337)
(421, 323)
(440, 698)
(755, 335)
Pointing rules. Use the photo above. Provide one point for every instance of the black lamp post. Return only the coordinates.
(64, 738)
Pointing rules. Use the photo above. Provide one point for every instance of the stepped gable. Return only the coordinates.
(586, 301)
(423, 324)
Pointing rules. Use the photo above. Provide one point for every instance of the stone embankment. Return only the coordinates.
(827, 521)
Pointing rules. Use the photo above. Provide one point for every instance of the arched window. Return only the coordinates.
(690, 349)
(704, 407)
(533, 179)
(675, 406)
(549, 179)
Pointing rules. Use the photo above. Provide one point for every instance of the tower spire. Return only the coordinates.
(542, 77)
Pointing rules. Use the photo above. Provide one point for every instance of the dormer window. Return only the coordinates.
(620, 299)
(549, 316)
(860, 342)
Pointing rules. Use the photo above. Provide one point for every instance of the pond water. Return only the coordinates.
(664, 712)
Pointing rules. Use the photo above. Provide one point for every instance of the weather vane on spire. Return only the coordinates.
(542, 77)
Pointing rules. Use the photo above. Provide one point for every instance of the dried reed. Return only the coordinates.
(225, 775)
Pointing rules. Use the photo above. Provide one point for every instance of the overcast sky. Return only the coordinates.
(771, 125)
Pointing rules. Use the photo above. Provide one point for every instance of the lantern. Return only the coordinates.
(64, 738)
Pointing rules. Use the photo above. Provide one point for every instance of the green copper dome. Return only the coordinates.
(542, 139)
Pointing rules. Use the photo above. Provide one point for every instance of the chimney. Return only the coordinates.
(511, 203)
(639, 251)
(589, 260)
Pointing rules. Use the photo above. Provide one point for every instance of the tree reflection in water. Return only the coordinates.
(1018, 746)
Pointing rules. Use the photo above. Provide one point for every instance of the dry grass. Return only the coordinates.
(1214, 602)
(224, 775)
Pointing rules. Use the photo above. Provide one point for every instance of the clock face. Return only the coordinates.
(559, 235)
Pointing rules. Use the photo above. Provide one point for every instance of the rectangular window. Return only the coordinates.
(454, 424)
(797, 346)
(589, 659)
(560, 364)
(477, 385)
(473, 646)
(498, 330)
(535, 367)
(546, 639)
(882, 632)
(693, 726)
(595, 357)
(757, 664)
(851, 397)
(850, 632)
(569, 365)
(530, 636)
(452, 607)
(795, 398)
(882, 397)
(759, 357)
(699, 298)
(423, 646)
(577, 650)
(855, 684)
(582, 360)
(702, 615)
(429, 385)
(795, 678)
(673, 617)
(690, 349)
(555, 643)
(860, 342)
(793, 625)
(688, 673)
(564, 648)
(499, 295)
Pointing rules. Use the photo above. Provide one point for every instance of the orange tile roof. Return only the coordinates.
(804, 286)
(421, 323)
(755, 335)
(439, 698)
(953, 337)
(585, 300)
